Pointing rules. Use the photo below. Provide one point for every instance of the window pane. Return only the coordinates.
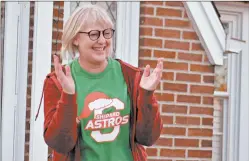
(220, 127)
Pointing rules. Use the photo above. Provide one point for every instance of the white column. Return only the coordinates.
(43, 19)
(128, 14)
(14, 80)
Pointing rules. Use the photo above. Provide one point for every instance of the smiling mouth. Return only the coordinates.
(99, 48)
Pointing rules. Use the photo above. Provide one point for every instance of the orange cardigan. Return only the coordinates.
(61, 132)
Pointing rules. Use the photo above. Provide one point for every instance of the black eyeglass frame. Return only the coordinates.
(99, 32)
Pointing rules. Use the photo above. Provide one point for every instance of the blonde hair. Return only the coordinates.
(81, 18)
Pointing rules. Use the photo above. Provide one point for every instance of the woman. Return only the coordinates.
(98, 108)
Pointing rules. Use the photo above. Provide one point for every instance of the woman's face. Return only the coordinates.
(94, 48)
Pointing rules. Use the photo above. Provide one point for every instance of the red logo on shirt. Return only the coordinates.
(97, 102)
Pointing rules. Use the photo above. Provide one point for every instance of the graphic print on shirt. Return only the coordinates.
(96, 103)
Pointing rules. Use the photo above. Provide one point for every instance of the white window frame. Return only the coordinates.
(43, 19)
(237, 143)
(127, 30)
(15, 79)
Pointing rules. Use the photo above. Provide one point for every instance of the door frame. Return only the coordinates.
(16, 37)
(237, 144)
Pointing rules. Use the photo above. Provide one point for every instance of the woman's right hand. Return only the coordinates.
(65, 79)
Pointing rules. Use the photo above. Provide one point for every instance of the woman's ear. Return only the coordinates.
(76, 41)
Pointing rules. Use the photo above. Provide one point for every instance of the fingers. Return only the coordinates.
(159, 68)
(68, 71)
(58, 69)
(146, 71)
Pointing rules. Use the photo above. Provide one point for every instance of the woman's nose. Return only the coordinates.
(101, 39)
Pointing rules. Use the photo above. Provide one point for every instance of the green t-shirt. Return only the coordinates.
(104, 109)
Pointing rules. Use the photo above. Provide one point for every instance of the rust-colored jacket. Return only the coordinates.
(62, 134)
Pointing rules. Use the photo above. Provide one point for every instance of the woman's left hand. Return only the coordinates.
(149, 81)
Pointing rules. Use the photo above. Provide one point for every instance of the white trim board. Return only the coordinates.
(208, 28)
(127, 30)
(128, 14)
(43, 19)
(15, 80)
(238, 133)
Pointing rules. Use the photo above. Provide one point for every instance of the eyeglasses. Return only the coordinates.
(95, 34)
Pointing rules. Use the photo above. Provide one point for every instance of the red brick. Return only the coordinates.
(200, 153)
(174, 131)
(202, 68)
(186, 142)
(175, 87)
(200, 132)
(164, 96)
(167, 119)
(151, 151)
(143, 63)
(151, 21)
(173, 3)
(197, 47)
(201, 89)
(153, 2)
(175, 65)
(201, 110)
(208, 100)
(58, 24)
(174, 109)
(188, 99)
(151, 42)
(190, 35)
(59, 3)
(185, 15)
(207, 121)
(188, 120)
(168, 76)
(206, 60)
(57, 35)
(167, 33)
(147, 10)
(190, 57)
(206, 143)
(56, 47)
(58, 13)
(164, 142)
(172, 152)
(26, 148)
(176, 45)
(188, 77)
(145, 31)
(164, 54)
(29, 91)
(208, 79)
(177, 23)
(145, 52)
(168, 12)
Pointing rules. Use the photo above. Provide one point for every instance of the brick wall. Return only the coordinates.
(29, 81)
(185, 92)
